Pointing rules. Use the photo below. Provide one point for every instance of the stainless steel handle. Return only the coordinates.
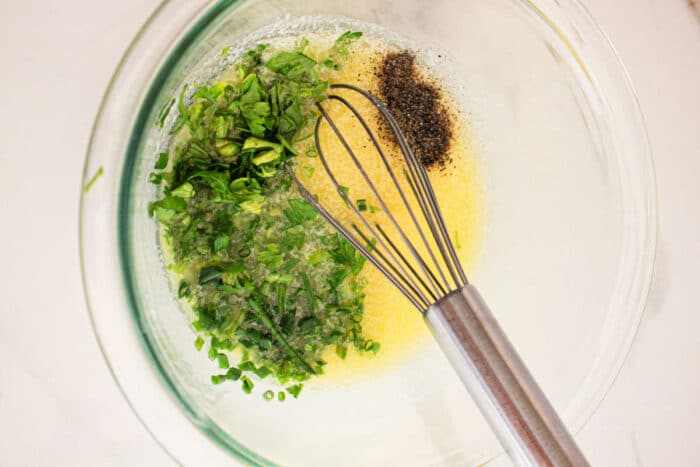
(509, 398)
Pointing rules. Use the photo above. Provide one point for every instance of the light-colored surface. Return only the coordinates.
(58, 404)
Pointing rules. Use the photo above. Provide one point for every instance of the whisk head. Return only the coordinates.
(405, 237)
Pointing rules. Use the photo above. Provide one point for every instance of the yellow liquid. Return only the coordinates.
(389, 318)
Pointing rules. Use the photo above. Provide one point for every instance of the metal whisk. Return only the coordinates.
(429, 274)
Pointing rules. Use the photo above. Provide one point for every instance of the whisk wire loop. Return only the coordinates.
(419, 174)
(351, 205)
(414, 278)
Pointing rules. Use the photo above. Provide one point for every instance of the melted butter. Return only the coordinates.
(389, 318)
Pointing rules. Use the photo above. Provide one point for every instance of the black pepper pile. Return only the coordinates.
(417, 104)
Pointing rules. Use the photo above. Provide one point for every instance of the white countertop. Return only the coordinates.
(58, 403)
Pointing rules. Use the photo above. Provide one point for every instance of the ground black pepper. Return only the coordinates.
(418, 106)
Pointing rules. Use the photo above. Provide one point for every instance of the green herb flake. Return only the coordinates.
(162, 161)
(223, 361)
(263, 372)
(361, 205)
(300, 211)
(155, 178)
(199, 343)
(247, 385)
(308, 171)
(268, 395)
(218, 379)
(295, 389)
(222, 242)
(233, 374)
(100, 172)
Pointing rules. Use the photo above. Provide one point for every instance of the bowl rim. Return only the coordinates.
(205, 15)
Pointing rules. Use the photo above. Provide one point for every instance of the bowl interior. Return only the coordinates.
(566, 242)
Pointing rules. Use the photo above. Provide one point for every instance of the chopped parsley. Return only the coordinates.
(270, 284)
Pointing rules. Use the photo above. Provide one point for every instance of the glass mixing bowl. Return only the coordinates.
(565, 259)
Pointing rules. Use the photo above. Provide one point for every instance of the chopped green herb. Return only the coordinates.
(248, 365)
(225, 50)
(373, 347)
(184, 191)
(199, 343)
(308, 289)
(155, 178)
(100, 172)
(222, 242)
(162, 161)
(361, 205)
(233, 374)
(218, 379)
(300, 211)
(263, 372)
(223, 361)
(281, 396)
(295, 389)
(308, 171)
(268, 395)
(263, 272)
(340, 49)
(341, 44)
(247, 384)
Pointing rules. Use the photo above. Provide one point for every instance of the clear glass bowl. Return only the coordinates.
(565, 260)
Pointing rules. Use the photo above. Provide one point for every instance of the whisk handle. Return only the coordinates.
(527, 425)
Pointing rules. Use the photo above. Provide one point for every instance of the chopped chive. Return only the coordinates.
(310, 301)
(268, 395)
(222, 242)
(308, 171)
(223, 361)
(162, 161)
(155, 178)
(281, 396)
(199, 343)
(373, 209)
(346, 191)
(92, 180)
(233, 374)
(262, 316)
(265, 344)
(263, 372)
(218, 379)
(361, 204)
(247, 366)
(295, 389)
(281, 299)
(246, 384)
(225, 50)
